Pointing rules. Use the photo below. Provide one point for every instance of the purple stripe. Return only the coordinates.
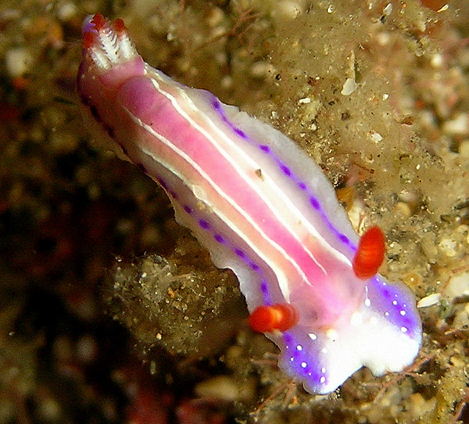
(286, 170)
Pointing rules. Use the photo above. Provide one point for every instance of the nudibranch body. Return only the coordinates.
(261, 207)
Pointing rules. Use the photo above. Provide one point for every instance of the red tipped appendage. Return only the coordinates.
(280, 317)
(99, 23)
(88, 40)
(119, 26)
(370, 253)
(94, 25)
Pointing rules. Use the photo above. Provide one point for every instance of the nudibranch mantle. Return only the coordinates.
(261, 207)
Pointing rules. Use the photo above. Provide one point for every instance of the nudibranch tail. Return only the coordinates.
(261, 207)
(383, 334)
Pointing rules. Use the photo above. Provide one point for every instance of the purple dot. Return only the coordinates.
(264, 148)
(188, 209)
(254, 266)
(344, 239)
(173, 194)
(264, 288)
(218, 238)
(240, 253)
(162, 183)
(240, 133)
(285, 169)
(216, 104)
(204, 224)
(302, 186)
(288, 339)
(314, 203)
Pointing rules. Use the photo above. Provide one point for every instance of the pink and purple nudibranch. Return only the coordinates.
(261, 207)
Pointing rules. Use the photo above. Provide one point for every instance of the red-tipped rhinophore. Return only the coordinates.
(119, 25)
(98, 21)
(370, 253)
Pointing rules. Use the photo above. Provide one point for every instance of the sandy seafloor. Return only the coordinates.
(112, 313)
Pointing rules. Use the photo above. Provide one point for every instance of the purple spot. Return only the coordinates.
(188, 209)
(302, 186)
(344, 239)
(264, 288)
(239, 253)
(264, 148)
(240, 133)
(204, 224)
(285, 169)
(288, 339)
(216, 104)
(218, 238)
(162, 183)
(254, 266)
(173, 194)
(314, 202)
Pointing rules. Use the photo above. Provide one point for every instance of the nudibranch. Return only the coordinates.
(261, 207)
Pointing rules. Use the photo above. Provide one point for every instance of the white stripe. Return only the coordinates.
(260, 192)
(283, 283)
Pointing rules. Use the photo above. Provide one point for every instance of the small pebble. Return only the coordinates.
(349, 87)
(221, 387)
(458, 125)
(458, 285)
(429, 300)
(17, 61)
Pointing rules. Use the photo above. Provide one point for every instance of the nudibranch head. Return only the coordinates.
(106, 42)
